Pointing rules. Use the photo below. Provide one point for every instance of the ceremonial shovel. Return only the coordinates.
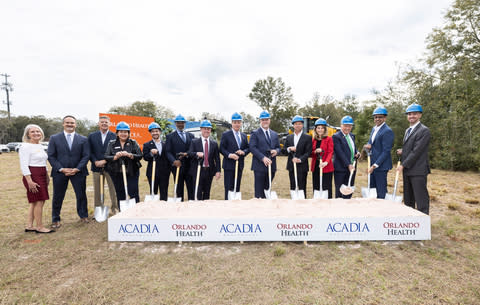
(320, 194)
(392, 197)
(152, 196)
(296, 194)
(175, 198)
(101, 212)
(235, 195)
(269, 193)
(129, 202)
(197, 181)
(368, 192)
(347, 189)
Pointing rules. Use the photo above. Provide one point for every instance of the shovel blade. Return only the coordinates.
(346, 190)
(393, 198)
(297, 194)
(174, 199)
(271, 195)
(101, 213)
(127, 204)
(152, 198)
(234, 195)
(369, 192)
(320, 194)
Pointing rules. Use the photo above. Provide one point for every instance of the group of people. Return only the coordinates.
(194, 162)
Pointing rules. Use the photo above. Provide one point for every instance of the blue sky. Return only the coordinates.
(82, 57)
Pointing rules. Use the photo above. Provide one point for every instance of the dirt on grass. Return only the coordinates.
(77, 265)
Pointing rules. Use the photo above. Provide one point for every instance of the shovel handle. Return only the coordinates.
(124, 174)
(351, 173)
(236, 176)
(153, 174)
(396, 180)
(177, 174)
(197, 181)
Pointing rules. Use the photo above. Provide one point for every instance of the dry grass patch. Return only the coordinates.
(77, 265)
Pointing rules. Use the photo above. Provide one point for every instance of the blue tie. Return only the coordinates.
(69, 141)
(239, 142)
(268, 137)
(409, 130)
(182, 135)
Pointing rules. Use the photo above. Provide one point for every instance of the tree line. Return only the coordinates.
(446, 82)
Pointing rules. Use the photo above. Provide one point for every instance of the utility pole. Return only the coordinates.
(8, 87)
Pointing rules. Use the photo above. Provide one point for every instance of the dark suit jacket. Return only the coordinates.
(213, 156)
(342, 151)
(381, 148)
(259, 147)
(60, 156)
(304, 149)
(132, 166)
(228, 145)
(415, 152)
(162, 164)
(97, 149)
(175, 144)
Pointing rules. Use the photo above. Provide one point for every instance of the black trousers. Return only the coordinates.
(60, 184)
(342, 178)
(229, 181)
(415, 190)
(261, 183)
(160, 184)
(132, 187)
(204, 184)
(301, 178)
(184, 178)
(326, 181)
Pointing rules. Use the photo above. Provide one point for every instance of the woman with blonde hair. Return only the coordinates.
(33, 163)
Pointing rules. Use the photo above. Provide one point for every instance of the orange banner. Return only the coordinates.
(138, 126)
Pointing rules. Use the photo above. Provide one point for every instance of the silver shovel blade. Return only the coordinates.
(393, 198)
(271, 195)
(101, 213)
(346, 190)
(297, 194)
(369, 192)
(174, 199)
(152, 198)
(320, 194)
(127, 204)
(234, 195)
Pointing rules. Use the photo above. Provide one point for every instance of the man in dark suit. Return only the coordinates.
(299, 148)
(98, 142)
(380, 145)
(265, 146)
(68, 154)
(177, 145)
(155, 150)
(345, 153)
(233, 146)
(204, 150)
(414, 158)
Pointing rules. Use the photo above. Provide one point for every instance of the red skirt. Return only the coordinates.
(39, 176)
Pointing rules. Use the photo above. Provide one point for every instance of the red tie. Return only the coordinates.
(205, 153)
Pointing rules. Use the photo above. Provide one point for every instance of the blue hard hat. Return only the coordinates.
(237, 117)
(206, 124)
(297, 118)
(414, 108)
(153, 125)
(347, 120)
(264, 115)
(320, 121)
(380, 110)
(123, 126)
(180, 118)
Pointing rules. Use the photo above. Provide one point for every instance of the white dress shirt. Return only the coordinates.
(31, 155)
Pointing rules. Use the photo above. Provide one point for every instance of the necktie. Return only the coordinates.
(409, 130)
(69, 141)
(239, 141)
(205, 154)
(350, 145)
(182, 135)
(268, 137)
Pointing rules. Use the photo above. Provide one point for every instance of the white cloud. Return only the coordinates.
(193, 56)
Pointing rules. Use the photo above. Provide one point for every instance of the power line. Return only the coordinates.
(8, 87)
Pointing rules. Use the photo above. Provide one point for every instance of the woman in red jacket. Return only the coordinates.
(322, 147)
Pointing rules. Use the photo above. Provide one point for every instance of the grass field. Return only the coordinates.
(77, 265)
